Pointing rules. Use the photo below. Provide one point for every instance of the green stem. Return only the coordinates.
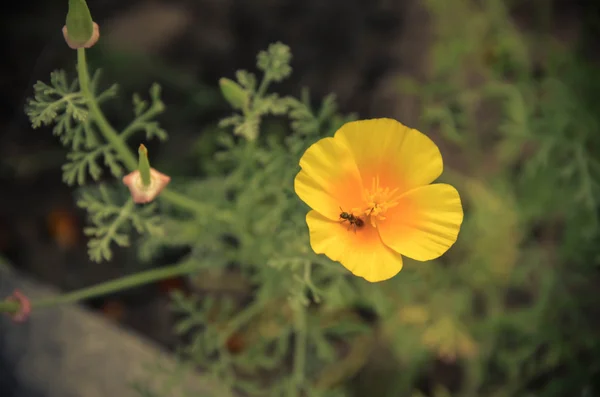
(118, 144)
(239, 320)
(183, 201)
(309, 283)
(9, 306)
(300, 344)
(248, 110)
(117, 141)
(262, 88)
(107, 130)
(299, 349)
(130, 161)
(105, 288)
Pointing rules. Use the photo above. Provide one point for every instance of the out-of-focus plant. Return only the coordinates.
(279, 332)
(506, 308)
(513, 309)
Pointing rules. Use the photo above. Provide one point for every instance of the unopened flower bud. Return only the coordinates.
(80, 31)
(24, 310)
(233, 93)
(145, 183)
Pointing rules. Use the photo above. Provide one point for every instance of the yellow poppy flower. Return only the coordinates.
(369, 187)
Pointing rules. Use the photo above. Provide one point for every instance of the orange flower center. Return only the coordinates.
(378, 200)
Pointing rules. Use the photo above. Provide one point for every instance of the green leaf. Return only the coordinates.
(57, 100)
(235, 95)
(112, 219)
(144, 112)
(139, 105)
(247, 80)
(61, 103)
(153, 130)
(81, 164)
(248, 129)
(275, 62)
(231, 121)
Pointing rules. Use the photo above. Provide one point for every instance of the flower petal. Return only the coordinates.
(329, 179)
(425, 223)
(399, 156)
(361, 251)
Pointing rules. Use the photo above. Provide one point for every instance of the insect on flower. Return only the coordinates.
(352, 220)
(382, 170)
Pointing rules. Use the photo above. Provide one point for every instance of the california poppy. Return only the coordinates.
(369, 187)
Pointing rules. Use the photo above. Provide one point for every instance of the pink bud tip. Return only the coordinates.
(25, 306)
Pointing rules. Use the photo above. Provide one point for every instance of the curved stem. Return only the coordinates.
(117, 141)
(130, 161)
(107, 130)
(105, 288)
(264, 84)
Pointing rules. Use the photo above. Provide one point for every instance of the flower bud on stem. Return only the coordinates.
(19, 307)
(145, 183)
(80, 31)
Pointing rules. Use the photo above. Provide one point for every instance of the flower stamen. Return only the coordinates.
(378, 200)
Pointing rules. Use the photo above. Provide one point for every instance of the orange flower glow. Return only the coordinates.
(371, 198)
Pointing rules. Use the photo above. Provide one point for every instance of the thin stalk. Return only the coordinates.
(110, 134)
(117, 142)
(301, 340)
(105, 288)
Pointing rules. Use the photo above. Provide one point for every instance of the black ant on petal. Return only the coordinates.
(351, 219)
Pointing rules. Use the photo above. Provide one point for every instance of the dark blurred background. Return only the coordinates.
(355, 48)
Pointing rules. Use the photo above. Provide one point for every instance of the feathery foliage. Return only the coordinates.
(509, 310)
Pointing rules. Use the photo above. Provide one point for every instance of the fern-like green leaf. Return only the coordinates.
(144, 112)
(61, 103)
(81, 164)
(112, 220)
(249, 128)
(54, 100)
(275, 61)
(247, 80)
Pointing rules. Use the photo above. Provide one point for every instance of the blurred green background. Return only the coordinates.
(508, 89)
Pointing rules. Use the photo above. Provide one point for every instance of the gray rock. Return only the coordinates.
(67, 351)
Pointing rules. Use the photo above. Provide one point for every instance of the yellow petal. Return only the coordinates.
(425, 223)
(399, 156)
(329, 179)
(361, 251)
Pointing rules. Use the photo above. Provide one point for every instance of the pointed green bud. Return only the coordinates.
(144, 165)
(80, 25)
(233, 93)
(145, 183)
